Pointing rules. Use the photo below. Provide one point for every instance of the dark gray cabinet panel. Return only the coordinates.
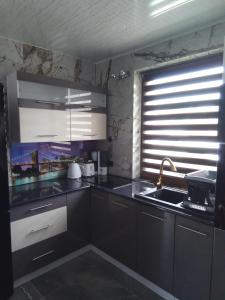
(99, 219)
(37, 207)
(155, 245)
(114, 226)
(218, 273)
(38, 255)
(78, 213)
(193, 258)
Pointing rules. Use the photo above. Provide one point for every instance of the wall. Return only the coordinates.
(23, 57)
(124, 109)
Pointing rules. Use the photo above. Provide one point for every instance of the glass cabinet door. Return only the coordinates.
(41, 92)
(86, 98)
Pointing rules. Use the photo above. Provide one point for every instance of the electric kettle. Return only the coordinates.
(73, 171)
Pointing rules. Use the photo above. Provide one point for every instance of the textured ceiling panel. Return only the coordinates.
(96, 29)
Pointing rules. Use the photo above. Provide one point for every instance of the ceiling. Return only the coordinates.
(97, 29)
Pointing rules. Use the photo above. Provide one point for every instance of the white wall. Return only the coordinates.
(23, 57)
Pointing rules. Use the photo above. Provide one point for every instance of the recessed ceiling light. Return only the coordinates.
(168, 7)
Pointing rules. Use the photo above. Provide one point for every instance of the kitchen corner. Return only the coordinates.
(112, 150)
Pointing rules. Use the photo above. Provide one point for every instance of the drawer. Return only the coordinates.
(39, 255)
(31, 230)
(37, 207)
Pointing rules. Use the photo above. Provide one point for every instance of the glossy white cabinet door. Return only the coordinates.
(44, 125)
(87, 126)
(31, 230)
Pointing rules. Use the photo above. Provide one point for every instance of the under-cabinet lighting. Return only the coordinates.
(168, 7)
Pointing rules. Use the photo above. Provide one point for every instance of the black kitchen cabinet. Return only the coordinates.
(155, 245)
(218, 273)
(78, 218)
(36, 256)
(99, 219)
(114, 226)
(193, 258)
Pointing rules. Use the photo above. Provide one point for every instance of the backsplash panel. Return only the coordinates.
(33, 162)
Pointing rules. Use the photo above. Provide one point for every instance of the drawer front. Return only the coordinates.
(37, 207)
(39, 255)
(28, 231)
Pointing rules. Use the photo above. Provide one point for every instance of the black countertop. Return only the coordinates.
(27, 193)
(124, 187)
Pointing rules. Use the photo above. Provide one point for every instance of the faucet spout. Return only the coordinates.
(172, 166)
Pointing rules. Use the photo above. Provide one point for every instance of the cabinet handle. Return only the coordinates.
(153, 217)
(48, 102)
(46, 135)
(120, 204)
(39, 229)
(192, 230)
(40, 207)
(89, 134)
(43, 255)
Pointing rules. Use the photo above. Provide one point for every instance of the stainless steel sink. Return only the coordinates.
(166, 195)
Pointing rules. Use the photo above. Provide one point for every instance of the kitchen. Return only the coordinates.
(112, 155)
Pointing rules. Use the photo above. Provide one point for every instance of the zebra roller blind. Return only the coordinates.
(180, 107)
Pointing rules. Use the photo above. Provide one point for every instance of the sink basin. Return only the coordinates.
(165, 195)
(168, 195)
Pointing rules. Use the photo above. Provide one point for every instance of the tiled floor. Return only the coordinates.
(88, 277)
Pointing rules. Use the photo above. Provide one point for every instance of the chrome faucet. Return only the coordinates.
(172, 166)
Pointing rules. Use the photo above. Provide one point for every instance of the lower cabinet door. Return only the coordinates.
(155, 245)
(78, 217)
(122, 228)
(38, 255)
(218, 273)
(99, 219)
(114, 226)
(193, 259)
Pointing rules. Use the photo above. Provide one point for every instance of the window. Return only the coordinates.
(180, 107)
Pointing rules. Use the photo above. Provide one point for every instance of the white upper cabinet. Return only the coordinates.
(42, 109)
(44, 125)
(87, 125)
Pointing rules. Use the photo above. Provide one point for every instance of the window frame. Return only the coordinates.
(152, 73)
